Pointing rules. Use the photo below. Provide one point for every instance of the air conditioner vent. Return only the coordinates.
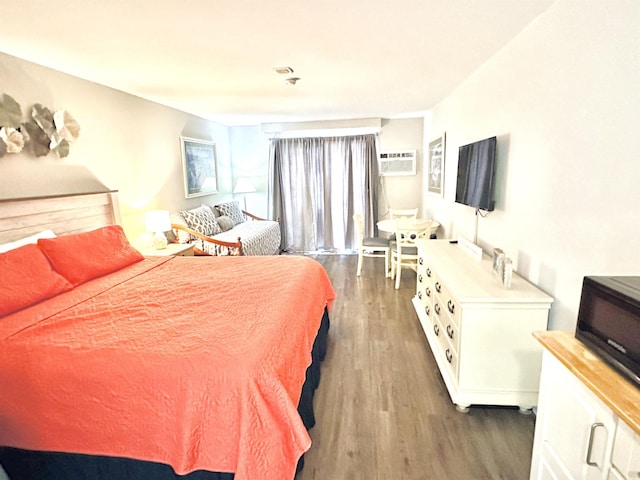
(398, 162)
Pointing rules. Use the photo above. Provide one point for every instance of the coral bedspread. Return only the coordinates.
(193, 362)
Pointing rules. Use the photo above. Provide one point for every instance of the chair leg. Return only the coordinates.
(360, 257)
(398, 273)
(386, 264)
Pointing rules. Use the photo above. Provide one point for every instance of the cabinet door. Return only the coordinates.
(626, 451)
(615, 475)
(576, 428)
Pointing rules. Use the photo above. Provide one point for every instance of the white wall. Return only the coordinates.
(250, 158)
(129, 144)
(132, 145)
(402, 191)
(563, 98)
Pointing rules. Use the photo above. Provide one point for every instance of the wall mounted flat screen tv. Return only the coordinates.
(476, 174)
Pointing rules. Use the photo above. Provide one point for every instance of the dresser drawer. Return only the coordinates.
(425, 267)
(426, 308)
(450, 355)
(424, 287)
(446, 299)
(439, 334)
(438, 309)
(451, 330)
(442, 327)
(424, 284)
(436, 328)
(425, 294)
(447, 325)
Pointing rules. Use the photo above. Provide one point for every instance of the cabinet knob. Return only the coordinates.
(420, 261)
(436, 329)
(451, 306)
(420, 295)
(420, 278)
(438, 287)
(448, 355)
(450, 331)
(427, 291)
(428, 272)
(436, 307)
(426, 310)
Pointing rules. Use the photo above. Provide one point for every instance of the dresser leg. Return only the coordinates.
(524, 410)
(462, 408)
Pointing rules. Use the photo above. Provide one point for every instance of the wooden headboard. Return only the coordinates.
(63, 214)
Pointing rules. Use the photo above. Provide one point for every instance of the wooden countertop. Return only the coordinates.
(618, 393)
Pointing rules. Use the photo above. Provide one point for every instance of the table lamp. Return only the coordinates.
(158, 222)
(244, 185)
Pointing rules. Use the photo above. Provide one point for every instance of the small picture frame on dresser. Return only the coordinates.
(507, 272)
(498, 262)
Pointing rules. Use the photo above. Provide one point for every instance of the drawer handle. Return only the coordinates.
(448, 355)
(450, 331)
(428, 272)
(420, 261)
(436, 329)
(592, 430)
(420, 278)
(426, 310)
(420, 295)
(436, 307)
(451, 306)
(438, 287)
(427, 291)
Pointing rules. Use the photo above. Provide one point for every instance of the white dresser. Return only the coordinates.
(480, 333)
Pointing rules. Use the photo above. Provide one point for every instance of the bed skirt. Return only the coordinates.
(29, 465)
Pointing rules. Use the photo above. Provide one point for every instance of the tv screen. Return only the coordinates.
(476, 172)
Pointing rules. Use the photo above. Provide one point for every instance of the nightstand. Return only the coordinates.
(178, 249)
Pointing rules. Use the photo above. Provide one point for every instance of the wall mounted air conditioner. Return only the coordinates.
(398, 162)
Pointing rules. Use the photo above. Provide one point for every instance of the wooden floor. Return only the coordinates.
(382, 409)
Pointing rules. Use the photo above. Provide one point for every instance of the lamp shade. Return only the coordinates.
(158, 221)
(244, 185)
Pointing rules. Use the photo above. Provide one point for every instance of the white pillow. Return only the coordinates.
(5, 247)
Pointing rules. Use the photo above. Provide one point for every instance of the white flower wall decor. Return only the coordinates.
(41, 133)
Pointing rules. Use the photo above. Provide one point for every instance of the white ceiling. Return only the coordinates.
(215, 58)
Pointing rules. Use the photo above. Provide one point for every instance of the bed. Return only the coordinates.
(178, 367)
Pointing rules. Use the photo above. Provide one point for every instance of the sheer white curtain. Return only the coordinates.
(319, 183)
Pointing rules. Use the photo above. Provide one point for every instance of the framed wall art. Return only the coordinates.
(199, 167)
(435, 165)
